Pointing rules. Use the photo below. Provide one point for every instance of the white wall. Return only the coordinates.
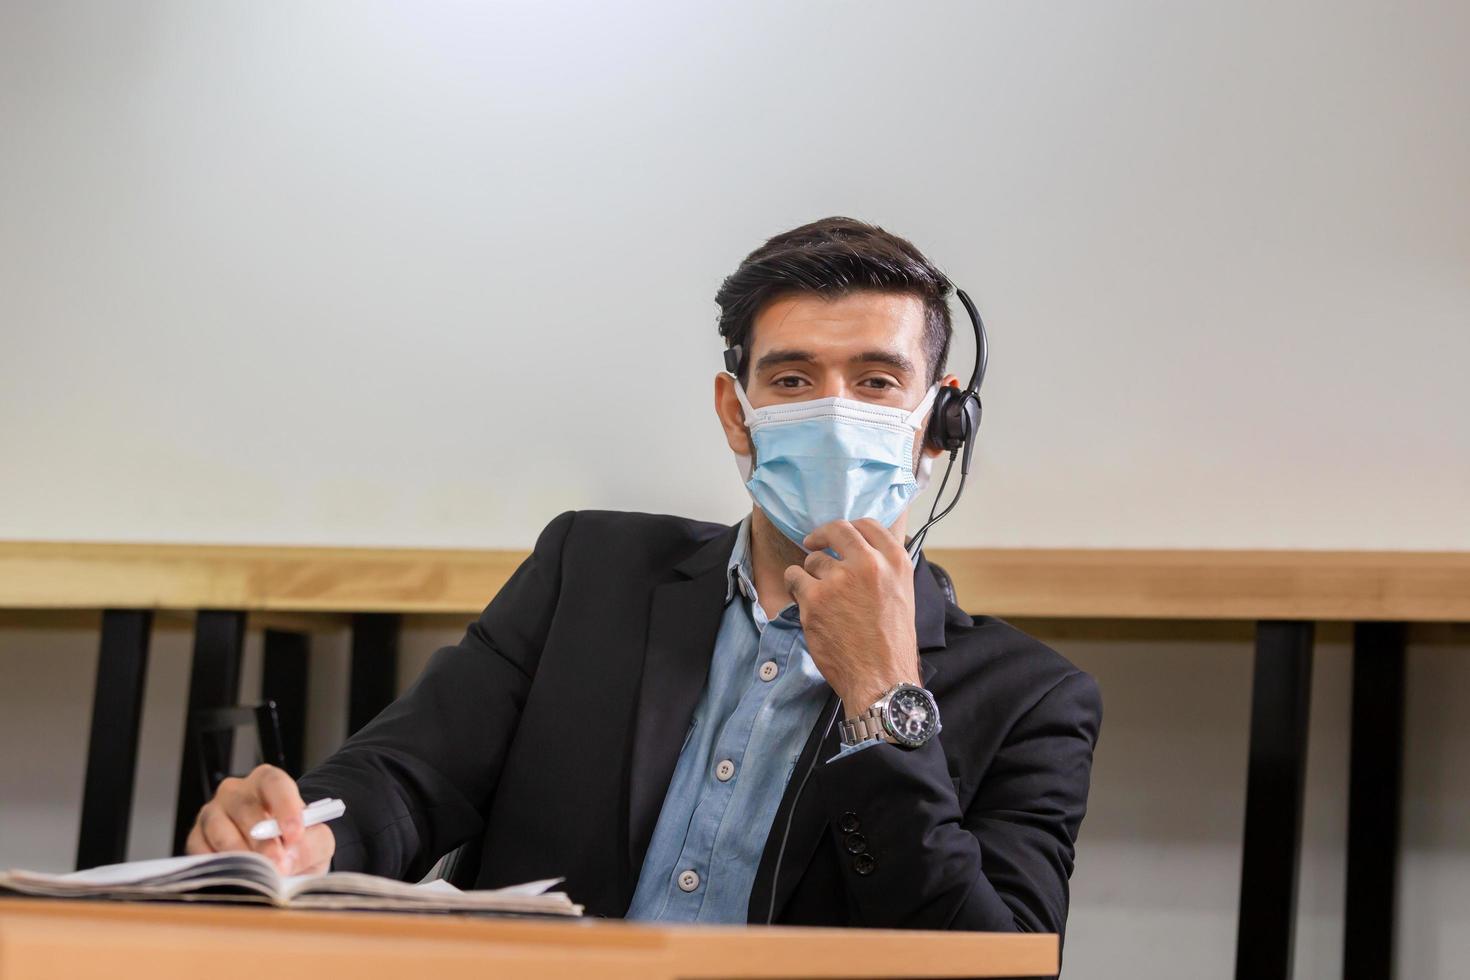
(427, 273)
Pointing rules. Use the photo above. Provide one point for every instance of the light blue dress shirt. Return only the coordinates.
(763, 696)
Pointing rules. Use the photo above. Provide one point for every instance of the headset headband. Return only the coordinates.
(982, 343)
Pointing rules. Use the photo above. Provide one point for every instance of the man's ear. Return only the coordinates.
(732, 416)
(948, 381)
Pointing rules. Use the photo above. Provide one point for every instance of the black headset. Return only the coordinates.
(955, 418)
(954, 421)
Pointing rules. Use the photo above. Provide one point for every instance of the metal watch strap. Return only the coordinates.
(867, 725)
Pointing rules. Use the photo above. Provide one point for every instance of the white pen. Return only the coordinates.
(319, 812)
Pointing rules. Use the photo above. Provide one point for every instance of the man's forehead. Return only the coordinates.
(840, 327)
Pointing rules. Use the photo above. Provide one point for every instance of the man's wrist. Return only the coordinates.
(906, 714)
(868, 694)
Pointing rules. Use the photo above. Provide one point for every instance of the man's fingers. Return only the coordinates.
(238, 803)
(238, 800)
(225, 822)
(840, 536)
(195, 843)
(797, 581)
(279, 796)
(819, 564)
(278, 854)
(229, 830)
(219, 832)
(313, 855)
(881, 538)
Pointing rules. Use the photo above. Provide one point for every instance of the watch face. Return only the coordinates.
(912, 716)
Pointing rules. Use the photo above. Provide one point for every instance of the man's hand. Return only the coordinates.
(858, 612)
(224, 823)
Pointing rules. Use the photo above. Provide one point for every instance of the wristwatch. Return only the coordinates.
(907, 716)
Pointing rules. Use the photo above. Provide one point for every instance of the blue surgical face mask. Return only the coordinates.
(832, 459)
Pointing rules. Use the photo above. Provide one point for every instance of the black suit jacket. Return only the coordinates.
(552, 730)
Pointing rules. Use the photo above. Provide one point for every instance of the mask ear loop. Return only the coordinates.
(744, 401)
(746, 463)
(916, 417)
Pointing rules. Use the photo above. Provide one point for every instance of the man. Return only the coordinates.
(694, 722)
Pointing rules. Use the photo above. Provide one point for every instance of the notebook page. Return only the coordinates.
(158, 871)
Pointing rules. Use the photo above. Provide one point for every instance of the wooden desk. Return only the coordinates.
(55, 940)
(1422, 586)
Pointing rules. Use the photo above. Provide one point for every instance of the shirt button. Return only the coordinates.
(769, 670)
(688, 880)
(724, 770)
(863, 864)
(849, 823)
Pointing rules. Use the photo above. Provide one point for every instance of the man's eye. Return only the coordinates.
(790, 381)
(879, 383)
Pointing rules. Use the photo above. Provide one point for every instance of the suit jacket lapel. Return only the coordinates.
(808, 823)
(683, 623)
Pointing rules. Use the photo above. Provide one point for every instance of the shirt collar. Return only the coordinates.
(737, 570)
(930, 608)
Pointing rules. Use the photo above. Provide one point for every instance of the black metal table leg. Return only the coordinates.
(374, 674)
(1280, 699)
(112, 753)
(214, 682)
(1374, 789)
(283, 680)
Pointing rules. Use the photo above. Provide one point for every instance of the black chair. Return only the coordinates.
(461, 866)
(213, 733)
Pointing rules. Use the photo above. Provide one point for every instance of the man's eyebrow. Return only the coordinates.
(782, 357)
(788, 355)
(893, 359)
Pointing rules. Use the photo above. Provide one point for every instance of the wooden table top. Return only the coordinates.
(179, 941)
(1014, 582)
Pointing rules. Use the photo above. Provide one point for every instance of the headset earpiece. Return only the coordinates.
(953, 419)
(935, 436)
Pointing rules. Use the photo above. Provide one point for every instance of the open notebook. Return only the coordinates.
(247, 877)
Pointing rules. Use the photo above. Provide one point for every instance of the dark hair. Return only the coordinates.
(833, 257)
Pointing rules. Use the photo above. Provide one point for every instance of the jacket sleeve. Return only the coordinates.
(1003, 864)
(416, 778)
